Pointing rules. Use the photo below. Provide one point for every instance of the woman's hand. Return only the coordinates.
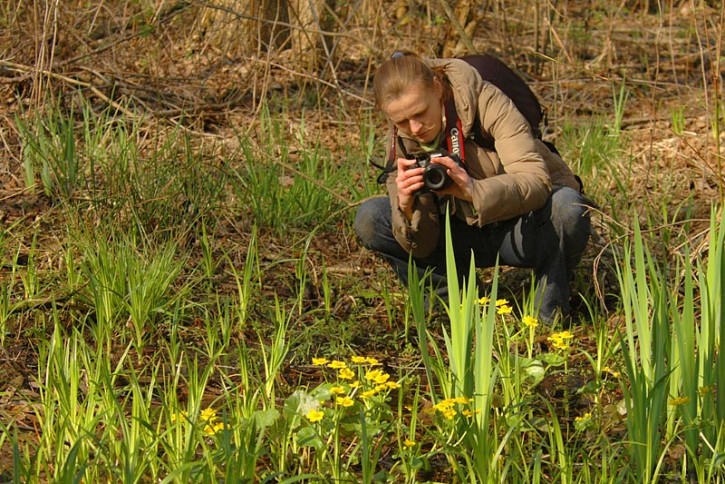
(462, 186)
(409, 181)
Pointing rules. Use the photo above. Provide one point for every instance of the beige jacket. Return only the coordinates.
(515, 179)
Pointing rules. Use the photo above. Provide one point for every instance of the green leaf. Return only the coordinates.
(307, 437)
(552, 359)
(265, 418)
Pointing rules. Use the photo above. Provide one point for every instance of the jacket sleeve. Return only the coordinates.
(525, 184)
(418, 236)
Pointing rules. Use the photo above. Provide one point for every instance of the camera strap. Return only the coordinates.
(454, 131)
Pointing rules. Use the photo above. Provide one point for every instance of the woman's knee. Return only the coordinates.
(369, 220)
(569, 211)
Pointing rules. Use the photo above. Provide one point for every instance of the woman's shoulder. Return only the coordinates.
(457, 71)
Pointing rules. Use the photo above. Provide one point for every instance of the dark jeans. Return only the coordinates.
(549, 240)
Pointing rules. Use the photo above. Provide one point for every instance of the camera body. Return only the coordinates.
(435, 176)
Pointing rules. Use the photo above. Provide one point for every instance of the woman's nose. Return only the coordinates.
(415, 126)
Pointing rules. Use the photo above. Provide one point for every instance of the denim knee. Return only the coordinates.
(570, 213)
(369, 219)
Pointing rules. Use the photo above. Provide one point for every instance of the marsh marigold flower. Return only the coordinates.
(449, 413)
(346, 374)
(344, 401)
(371, 361)
(314, 415)
(678, 401)
(505, 309)
(561, 340)
(409, 443)
(208, 415)
(337, 364)
(377, 376)
(530, 321)
(358, 359)
(337, 390)
(483, 300)
(501, 302)
(612, 372)
(178, 416)
(582, 422)
(213, 428)
(319, 361)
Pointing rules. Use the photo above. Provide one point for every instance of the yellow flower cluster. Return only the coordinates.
(612, 372)
(449, 407)
(561, 340)
(530, 321)
(502, 305)
(211, 422)
(208, 418)
(583, 421)
(337, 364)
(375, 381)
(678, 401)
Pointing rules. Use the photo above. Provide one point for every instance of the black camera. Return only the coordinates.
(435, 176)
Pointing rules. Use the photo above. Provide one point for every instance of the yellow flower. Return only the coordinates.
(449, 413)
(373, 375)
(355, 384)
(344, 401)
(483, 300)
(614, 373)
(409, 443)
(381, 378)
(319, 361)
(530, 321)
(501, 302)
(585, 417)
(560, 340)
(460, 400)
(359, 359)
(346, 374)
(213, 428)
(678, 401)
(504, 309)
(337, 365)
(559, 344)
(208, 415)
(371, 361)
(178, 416)
(314, 415)
(368, 394)
(391, 385)
(444, 404)
(582, 422)
(337, 390)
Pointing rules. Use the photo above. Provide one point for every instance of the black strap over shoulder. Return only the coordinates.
(499, 74)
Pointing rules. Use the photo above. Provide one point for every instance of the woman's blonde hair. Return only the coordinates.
(398, 73)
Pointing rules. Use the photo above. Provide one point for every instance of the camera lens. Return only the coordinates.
(435, 176)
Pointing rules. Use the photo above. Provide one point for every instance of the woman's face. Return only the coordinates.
(418, 111)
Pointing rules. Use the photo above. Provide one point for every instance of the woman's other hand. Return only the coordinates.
(409, 180)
